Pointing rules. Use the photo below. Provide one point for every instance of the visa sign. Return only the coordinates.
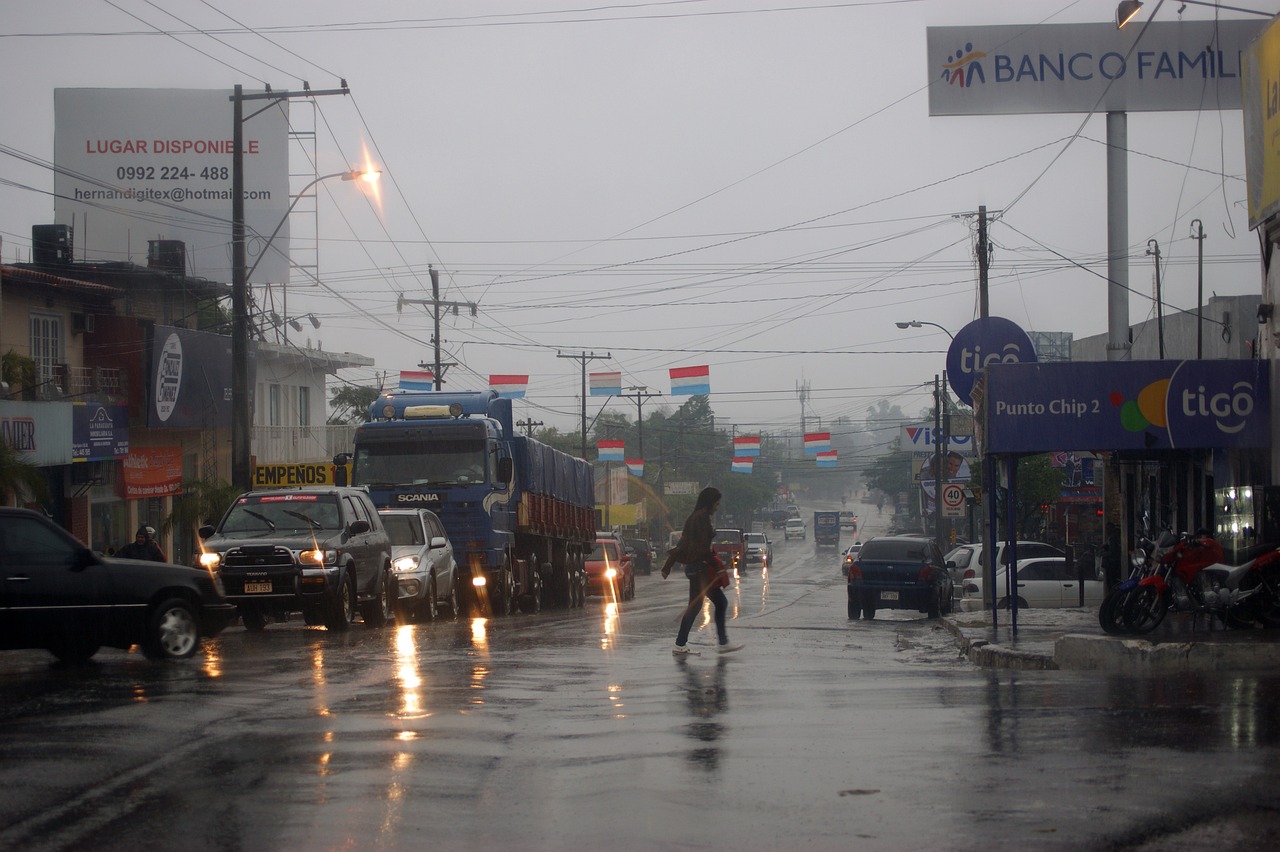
(981, 343)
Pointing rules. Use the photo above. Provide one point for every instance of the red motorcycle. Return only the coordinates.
(1191, 577)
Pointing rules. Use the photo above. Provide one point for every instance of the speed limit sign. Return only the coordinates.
(952, 501)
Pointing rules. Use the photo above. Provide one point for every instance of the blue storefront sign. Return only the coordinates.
(99, 432)
(1126, 405)
(981, 343)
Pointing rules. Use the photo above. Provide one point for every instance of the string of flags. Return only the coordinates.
(635, 467)
(509, 386)
(827, 458)
(607, 450)
(746, 445)
(417, 380)
(742, 465)
(605, 384)
(816, 442)
(690, 381)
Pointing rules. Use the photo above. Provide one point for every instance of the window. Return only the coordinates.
(274, 404)
(46, 347)
(304, 405)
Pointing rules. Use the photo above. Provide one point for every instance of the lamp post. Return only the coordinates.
(1126, 10)
(1153, 249)
(241, 416)
(1197, 234)
(922, 323)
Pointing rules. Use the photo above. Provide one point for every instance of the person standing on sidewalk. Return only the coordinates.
(694, 552)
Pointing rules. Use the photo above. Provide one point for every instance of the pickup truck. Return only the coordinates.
(730, 547)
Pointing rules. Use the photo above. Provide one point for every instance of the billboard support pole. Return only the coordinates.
(1117, 236)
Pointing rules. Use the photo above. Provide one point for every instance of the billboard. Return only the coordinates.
(1262, 125)
(1057, 68)
(190, 379)
(1127, 405)
(155, 164)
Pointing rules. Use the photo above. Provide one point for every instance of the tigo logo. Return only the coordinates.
(1237, 406)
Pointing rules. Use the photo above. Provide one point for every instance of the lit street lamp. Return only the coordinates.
(1126, 10)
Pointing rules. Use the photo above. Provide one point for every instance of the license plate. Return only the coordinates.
(888, 596)
(257, 588)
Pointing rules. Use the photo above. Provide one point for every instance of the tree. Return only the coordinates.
(1039, 484)
(350, 404)
(202, 501)
(20, 478)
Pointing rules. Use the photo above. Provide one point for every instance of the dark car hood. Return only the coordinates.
(130, 568)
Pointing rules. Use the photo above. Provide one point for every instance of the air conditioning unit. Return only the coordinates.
(80, 323)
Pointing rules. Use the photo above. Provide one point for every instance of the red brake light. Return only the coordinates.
(854, 572)
(968, 574)
(926, 573)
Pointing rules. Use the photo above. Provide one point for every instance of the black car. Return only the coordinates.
(321, 551)
(899, 572)
(641, 555)
(57, 594)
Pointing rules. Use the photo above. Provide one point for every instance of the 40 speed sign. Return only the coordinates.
(952, 500)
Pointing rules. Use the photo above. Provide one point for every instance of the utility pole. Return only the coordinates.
(802, 391)
(640, 395)
(1197, 234)
(241, 411)
(437, 311)
(1153, 248)
(584, 357)
(984, 259)
(528, 425)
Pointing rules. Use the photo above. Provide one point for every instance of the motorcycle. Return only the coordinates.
(1190, 576)
(1142, 562)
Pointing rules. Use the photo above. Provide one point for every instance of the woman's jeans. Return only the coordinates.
(700, 587)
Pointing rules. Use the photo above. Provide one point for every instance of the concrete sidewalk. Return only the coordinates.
(1072, 639)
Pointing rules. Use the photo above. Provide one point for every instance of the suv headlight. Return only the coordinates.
(318, 557)
(210, 560)
(406, 563)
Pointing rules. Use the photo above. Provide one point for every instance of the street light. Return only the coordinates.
(1128, 8)
(921, 323)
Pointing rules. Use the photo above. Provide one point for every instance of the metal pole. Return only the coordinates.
(1117, 236)
(241, 412)
(1153, 248)
(435, 317)
(937, 464)
(1199, 238)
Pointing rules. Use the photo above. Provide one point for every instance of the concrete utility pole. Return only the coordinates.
(241, 411)
(584, 357)
(437, 311)
(1197, 234)
(640, 395)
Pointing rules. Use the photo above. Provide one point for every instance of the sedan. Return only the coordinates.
(1045, 582)
(423, 561)
(610, 572)
(57, 594)
(850, 557)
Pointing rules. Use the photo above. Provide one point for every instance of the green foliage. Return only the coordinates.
(19, 372)
(20, 478)
(350, 403)
(201, 501)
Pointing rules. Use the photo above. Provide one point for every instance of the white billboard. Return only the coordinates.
(134, 165)
(1055, 68)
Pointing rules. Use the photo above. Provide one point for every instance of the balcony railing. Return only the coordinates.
(277, 444)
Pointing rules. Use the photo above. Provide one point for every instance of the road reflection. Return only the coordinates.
(707, 699)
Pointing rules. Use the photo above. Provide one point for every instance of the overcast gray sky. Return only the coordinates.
(755, 185)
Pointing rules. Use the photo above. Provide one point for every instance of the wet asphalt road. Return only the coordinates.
(577, 730)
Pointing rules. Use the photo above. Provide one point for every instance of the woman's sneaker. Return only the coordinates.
(680, 650)
(729, 649)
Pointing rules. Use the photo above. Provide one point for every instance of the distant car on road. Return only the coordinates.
(1042, 583)
(728, 545)
(795, 528)
(57, 594)
(850, 556)
(899, 572)
(759, 552)
(642, 554)
(848, 521)
(610, 571)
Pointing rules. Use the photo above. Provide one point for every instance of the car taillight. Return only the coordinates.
(854, 572)
(969, 574)
(926, 573)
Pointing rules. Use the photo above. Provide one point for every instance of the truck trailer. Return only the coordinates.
(520, 514)
(826, 530)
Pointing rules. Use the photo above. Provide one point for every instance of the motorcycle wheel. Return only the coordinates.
(1262, 607)
(1111, 605)
(1144, 610)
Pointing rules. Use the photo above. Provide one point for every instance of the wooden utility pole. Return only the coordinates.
(438, 308)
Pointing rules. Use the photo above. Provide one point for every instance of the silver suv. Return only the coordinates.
(321, 551)
(425, 567)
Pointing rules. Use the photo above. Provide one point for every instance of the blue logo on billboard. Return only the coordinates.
(981, 343)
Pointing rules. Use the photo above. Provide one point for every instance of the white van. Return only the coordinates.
(795, 528)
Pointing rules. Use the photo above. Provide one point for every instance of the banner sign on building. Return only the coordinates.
(152, 472)
(99, 432)
(157, 162)
(296, 474)
(1059, 68)
(1127, 405)
(190, 384)
(39, 431)
(922, 438)
(1261, 88)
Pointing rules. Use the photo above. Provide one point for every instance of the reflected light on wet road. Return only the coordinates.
(615, 699)
(212, 666)
(610, 626)
(408, 674)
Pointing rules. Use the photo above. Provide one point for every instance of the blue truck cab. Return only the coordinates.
(520, 514)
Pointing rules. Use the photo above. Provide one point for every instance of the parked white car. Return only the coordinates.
(795, 528)
(1043, 582)
(422, 559)
(965, 561)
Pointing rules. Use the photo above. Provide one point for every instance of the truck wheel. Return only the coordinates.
(532, 602)
(340, 610)
(500, 595)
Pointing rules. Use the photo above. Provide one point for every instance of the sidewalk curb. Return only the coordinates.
(983, 653)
